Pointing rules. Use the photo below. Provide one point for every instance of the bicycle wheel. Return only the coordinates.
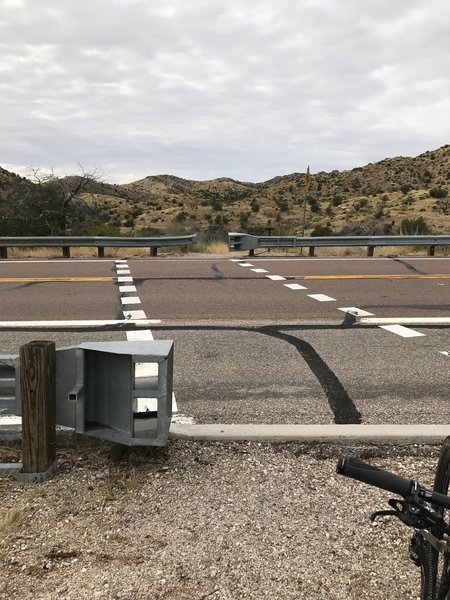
(434, 566)
(441, 561)
(424, 556)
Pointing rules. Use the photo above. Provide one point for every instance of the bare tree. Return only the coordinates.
(443, 205)
(46, 204)
(60, 198)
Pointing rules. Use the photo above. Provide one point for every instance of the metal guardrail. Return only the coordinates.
(99, 242)
(243, 241)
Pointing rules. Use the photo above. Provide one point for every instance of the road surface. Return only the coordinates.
(261, 340)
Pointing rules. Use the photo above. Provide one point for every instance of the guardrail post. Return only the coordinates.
(251, 252)
(38, 391)
(3, 252)
(101, 252)
(370, 250)
(431, 250)
(311, 250)
(66, 252)
(153, 251)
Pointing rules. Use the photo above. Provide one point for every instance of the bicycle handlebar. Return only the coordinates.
(356, 469)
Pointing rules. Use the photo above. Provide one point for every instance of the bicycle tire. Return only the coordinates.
(422, 554)
(434, 567)
(441, 485)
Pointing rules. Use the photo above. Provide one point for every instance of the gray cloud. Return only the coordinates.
(212, 88)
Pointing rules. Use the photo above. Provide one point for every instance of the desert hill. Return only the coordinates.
(395, 195)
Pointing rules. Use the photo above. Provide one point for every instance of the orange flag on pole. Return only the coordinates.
(307, 180)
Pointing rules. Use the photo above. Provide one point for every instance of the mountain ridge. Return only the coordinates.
(374, 198)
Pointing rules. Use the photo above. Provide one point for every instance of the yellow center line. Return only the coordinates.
(50, 279)
(418, 276)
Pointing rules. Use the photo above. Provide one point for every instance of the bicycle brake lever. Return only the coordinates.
(402, 511)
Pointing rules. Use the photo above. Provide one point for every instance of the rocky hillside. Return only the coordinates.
(395, 195)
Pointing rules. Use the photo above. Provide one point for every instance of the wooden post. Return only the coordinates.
(101, 252)
(153, 251)
(3, 252)
(251, 252)
(66, 252)
(369, 250)
(311, 250)
(38, 390)
(431, 250)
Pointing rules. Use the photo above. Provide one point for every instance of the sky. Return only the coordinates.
(200, 89)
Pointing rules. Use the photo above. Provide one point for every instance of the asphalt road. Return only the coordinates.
(250, 349)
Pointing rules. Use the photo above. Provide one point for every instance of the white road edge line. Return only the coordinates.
(405, 321)
(321, 298)
(130, 300)
(276, 277)
(357, 312)
(134, 314)
(85, 324)
(405, 332)
(295, 286)
(143, 369)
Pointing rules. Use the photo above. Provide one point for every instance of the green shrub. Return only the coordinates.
(414, 227)
(255, 206)
(438, 192)
(321, 230)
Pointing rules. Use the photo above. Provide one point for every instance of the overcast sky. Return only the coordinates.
(248, 89)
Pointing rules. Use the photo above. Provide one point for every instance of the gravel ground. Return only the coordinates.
(199, 520)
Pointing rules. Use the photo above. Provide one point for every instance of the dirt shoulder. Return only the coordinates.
(199, 520)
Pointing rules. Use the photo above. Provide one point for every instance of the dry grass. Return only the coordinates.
(76, 252)
(44, 253)
(355, 251)
(53, 253)
(11, 518)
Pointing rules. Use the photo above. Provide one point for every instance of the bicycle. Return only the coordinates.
(421, 509)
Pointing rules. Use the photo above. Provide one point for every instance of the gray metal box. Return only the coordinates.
(117, 391)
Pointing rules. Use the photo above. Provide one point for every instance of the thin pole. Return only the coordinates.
(307, 184)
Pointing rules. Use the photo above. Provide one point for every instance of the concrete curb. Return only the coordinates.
(376, 433)
(400, 434)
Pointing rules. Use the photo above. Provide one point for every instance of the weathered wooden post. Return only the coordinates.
(38, 391)
(431, 250)
(66, 252)
(153, 251)
(3, 252)
(101, 252)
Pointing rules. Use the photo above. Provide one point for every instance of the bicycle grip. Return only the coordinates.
(356, 469)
